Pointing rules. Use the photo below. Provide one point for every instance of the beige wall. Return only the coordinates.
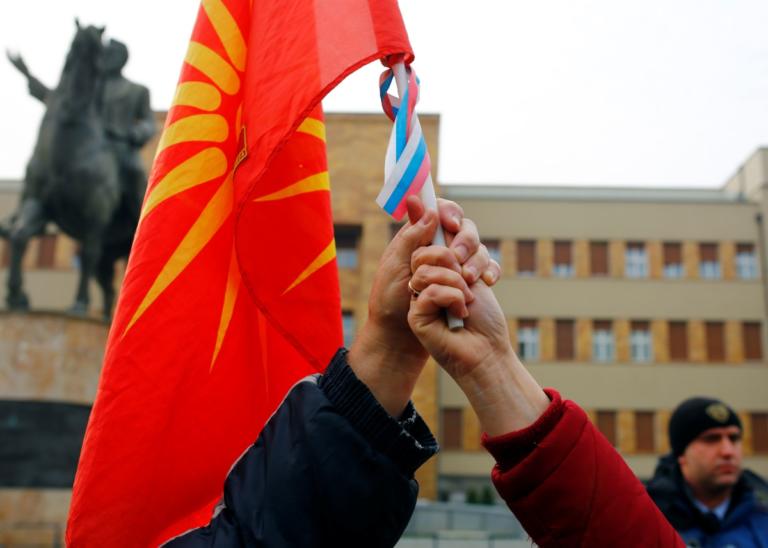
(642, 387)
(633, 299)
(608, 220)
(751, 175)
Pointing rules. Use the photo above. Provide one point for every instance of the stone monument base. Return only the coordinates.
(49, 370)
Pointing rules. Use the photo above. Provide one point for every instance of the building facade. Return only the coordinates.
(626, 300)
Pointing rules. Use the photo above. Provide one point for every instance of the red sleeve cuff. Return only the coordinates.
(511, 448)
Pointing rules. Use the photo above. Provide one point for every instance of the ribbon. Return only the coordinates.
(407, 164)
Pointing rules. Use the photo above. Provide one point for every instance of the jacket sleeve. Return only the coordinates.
(569, 487)
(330, 468)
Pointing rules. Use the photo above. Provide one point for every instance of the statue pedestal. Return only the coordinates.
(49, 371)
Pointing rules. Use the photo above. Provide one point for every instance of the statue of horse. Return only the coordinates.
(72, 179)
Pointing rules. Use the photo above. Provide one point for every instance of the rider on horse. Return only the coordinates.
(127, 116)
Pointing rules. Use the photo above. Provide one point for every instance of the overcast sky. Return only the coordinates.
(601, 92)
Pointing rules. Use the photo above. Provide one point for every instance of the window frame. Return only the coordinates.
(603, 344)
(529, 340)
(636, 260)
(640, 344)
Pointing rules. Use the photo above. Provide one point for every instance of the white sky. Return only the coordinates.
(601, 92)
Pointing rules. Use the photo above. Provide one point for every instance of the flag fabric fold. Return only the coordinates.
(231, 291)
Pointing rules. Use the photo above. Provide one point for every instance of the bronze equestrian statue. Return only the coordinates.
(85, 174)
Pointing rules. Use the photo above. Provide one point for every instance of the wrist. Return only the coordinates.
(389, 368)
(503, 394)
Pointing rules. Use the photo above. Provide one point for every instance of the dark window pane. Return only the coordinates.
(606, 423)
(759, 432)
(526, 256)
(347, 238)
(563, 252)
(564, 339)
(640, 325)
(708, 253)
(673, 253)
(602, 325)
(745, 248)
(40, 443)
(715, 341)
(452, 428)
(644, 432)
(598, 258)
(753, 337)
(678, 341)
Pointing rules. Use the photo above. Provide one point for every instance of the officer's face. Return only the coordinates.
(712, 462)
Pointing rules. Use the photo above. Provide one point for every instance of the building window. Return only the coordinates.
(526, 257)
(606, 423)
(746, 262)
(563, 266)
(494, 249)
(46, 251)
(753, 340)
(564, 340)
(673, 260)
(709, 263)
(640, 342)
(348, 327)
(759, 432)
(715, 341)
(598, 258)
(347, 239)
(636, 260)
(603, 344)
(678, 341)
(528, 340)
(452, 433)
(645, 432)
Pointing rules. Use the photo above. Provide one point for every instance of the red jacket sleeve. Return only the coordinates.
(569, 487)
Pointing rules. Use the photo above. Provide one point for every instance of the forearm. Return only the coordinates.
(389, 372)
(503, 394)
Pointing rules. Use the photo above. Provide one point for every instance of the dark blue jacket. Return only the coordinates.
(745, 524)
(330, 468)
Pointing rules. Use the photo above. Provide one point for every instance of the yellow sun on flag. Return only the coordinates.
(207, 125)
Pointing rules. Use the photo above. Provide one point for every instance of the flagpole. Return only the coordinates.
(427, 194)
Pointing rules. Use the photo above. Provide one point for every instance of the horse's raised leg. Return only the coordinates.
(90, 250)
(105, 275)
(28, 222)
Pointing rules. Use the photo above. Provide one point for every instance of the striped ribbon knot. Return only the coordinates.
(407, 164)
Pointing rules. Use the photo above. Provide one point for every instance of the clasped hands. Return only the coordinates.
(414, 284)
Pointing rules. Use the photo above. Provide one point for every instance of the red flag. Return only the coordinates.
(231, 292)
